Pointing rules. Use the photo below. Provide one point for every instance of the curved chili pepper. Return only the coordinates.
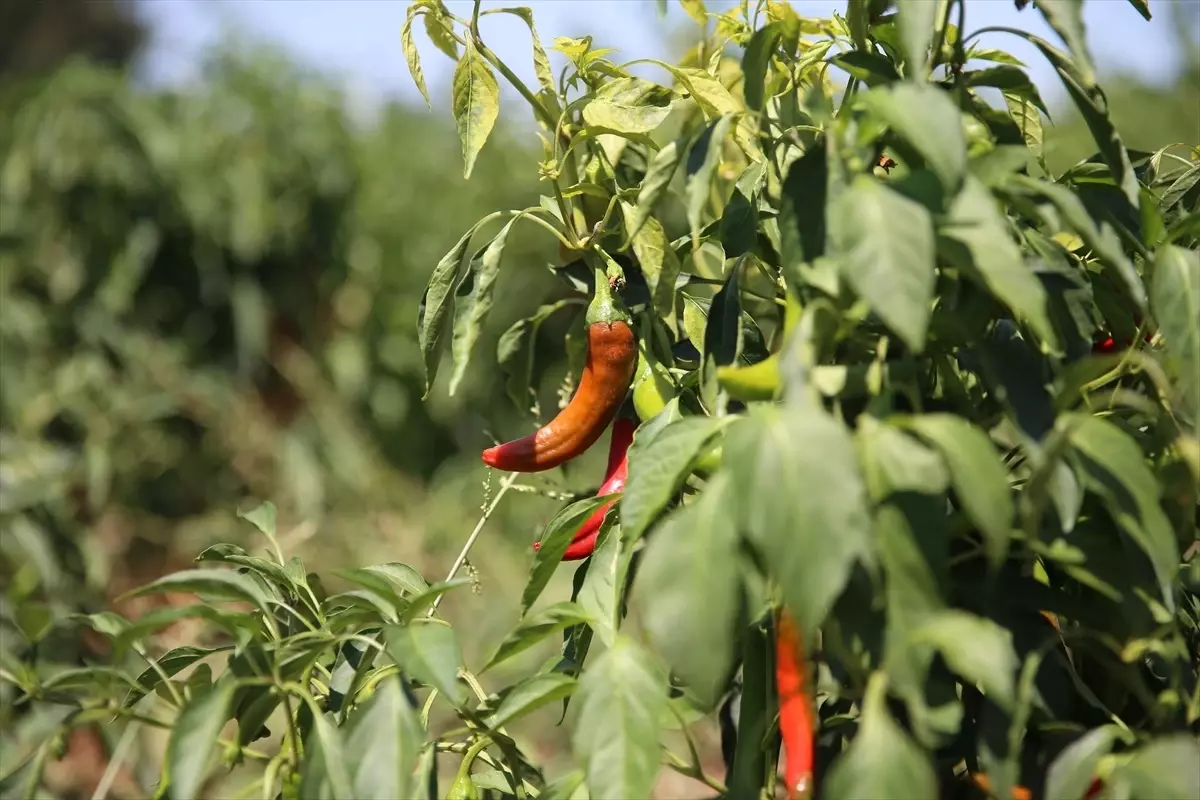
(796, 721)
(612, 357)
(583, 543)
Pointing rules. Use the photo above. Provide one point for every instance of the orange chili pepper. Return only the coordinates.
(611, 361)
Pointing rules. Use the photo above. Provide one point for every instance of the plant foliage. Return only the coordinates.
(934, 399)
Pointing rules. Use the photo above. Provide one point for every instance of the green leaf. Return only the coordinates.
(384, 744)
(516, 348)
(701, 167)
(168, 664)
(885, 248)
(1027, 119)
(535, 628)
(1093, 106)
(660, 266)
(1175, 300)
(916, 20)
(437, 303)
(976, 239)
(619, 706)
(894, 461)
(689, 587)
(555, 540)
(1013, 80)
(529, 695)
(1066, 18)
(438, 27)
(430, 653)
(803, 208)
(1102, 239)
(872, 69)
(1113, 466)
(1074, 767)
(695, 9)
(194, 738)
(928, 120)
(471, 309)
(402, 576)
(325, 772)
(215, 584)
(722, 326)
(659, 173)
(882, 762)
(812, 531)
(1164, 769)
(977, 649)
(658, 467)
(977, 474)
(411, 55)
(475, 98)
(629, 105)
(602, 594)
(756, 61)
(739, 221)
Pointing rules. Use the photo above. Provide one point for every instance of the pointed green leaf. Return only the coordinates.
(411, 55)
(689, 586)
(1175, 300)
(529, 695)
(885, 248)
(1074, 768)
(619, 706)
(702, 165)
(471, 311)
(194, 738)
(977, 474)
(813, 527)
(629, 105)
(430, 653)
(928, 120)
(658, 467)
(882, 762)
(976, 239)
(536, 627)
(325, 774)
(384, 744)
(916, 19)
(1113, 466)
(475, 97)
(437, 304)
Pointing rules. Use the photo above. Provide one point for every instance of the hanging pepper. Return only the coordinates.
(797, 725)
(611, 360)
(584, 540)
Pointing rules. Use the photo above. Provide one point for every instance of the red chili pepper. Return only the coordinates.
(584, 540)
(611, 360)
(1105, 346)
(797, 724)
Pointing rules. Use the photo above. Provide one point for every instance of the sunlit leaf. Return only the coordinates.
(475, 97)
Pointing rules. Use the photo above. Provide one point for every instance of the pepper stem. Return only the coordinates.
(606, 305)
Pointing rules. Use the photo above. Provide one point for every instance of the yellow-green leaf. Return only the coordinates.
(476, 102)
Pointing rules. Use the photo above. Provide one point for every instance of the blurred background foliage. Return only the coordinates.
(208, 296)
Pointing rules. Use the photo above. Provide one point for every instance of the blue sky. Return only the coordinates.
(359, 40)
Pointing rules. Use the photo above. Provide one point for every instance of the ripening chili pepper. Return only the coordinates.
(796, 720)
(611, 360)
(583, 543)
(1105, 346)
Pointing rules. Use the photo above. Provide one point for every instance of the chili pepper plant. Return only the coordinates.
(909, 507)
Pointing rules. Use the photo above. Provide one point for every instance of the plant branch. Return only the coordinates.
(505, 485)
